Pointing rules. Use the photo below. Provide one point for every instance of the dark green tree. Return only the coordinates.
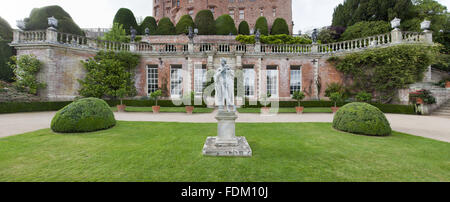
(165, 27)
(125, 17)
(38, 20)
(6, 51)
(225, 25)
(261, 24)
(279, 27)
(150, 23)
(365, 28)
(205, 23)
(183, 24)
(244, 28)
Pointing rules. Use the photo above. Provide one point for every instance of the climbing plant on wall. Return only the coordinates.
(383, 71)
(25, 70)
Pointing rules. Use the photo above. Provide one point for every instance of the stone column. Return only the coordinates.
(210, 62)
(52, 35)
(257, 47)
(191, 47)
(396, 36)
(427, 37)
(316, 79)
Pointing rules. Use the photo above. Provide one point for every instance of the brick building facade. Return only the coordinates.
(239, 10)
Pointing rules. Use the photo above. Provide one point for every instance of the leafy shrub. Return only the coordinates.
(125, 17)
(279, 27)
(204, 22)
(183, 24)
(109, 74)
(274, 39)
(38, 20)
(365, 29)
(25, 70)
(117, 34)
(244, 28)
(385, 70)
(336, 98)
(362, 118)
(364, 97)
(225, 25)
(299, 96)
(165, 27)
(84, 115)
(150, 23)
(336, 88)
(14, 107)
(155, 96)
(262, 26)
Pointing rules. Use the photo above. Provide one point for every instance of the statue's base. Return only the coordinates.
(241, 149)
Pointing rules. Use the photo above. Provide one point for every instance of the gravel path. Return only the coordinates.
(433, 127)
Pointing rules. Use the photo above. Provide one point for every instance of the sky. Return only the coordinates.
(307, 14)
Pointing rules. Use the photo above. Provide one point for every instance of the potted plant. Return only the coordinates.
(265, 102)
(421, 97)
(121, 94)
(190, 107)
(299, 96)
(447, 84)
(155, 95)
(335, 98)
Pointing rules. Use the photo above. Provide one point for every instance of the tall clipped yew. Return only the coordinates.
(225, 25)
(38, 20)
(204, 22)
(183, 24)
(279, 27)
(165, 27)
(5, 30)
(150, 23)
(6, 52)
(125, 17)
(261, 24)
(244, 28)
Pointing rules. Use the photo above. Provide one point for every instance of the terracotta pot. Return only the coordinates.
(265, 110)
(447, 84)
(121, 108)
(156, 109)
(299, 110)
(189, 109)
(419, 101)
(334, 109)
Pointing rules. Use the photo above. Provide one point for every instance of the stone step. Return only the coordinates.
(442, 114)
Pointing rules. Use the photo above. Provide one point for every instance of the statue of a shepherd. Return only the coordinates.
(224, 79)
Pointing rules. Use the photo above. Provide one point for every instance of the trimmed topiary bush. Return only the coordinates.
(165, 27)
(362, 118)
(150, 23)
(225, 25)
(6, 51)
(279, 27)
(125, 17)
(261, 24)
(38, 20)
(244, 28)
(205, 23)
(183, 24)
(6, 32)
(84, 115)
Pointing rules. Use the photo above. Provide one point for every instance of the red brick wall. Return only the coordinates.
(168, 8)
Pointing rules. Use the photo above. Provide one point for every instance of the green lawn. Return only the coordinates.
(288, 110)
(144, 151)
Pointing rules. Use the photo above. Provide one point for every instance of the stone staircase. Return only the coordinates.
(444, 110)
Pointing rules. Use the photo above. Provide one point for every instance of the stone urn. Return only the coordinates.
(447, 84)
(334, 109)
(299, 110)
(121, 108)
(189, 109)
(156, 109)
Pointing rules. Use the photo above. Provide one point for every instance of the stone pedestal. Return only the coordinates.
(226, 143)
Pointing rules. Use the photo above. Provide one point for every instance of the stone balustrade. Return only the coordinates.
(51, 36)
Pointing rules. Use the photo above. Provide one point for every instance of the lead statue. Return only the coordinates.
(224, 79)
